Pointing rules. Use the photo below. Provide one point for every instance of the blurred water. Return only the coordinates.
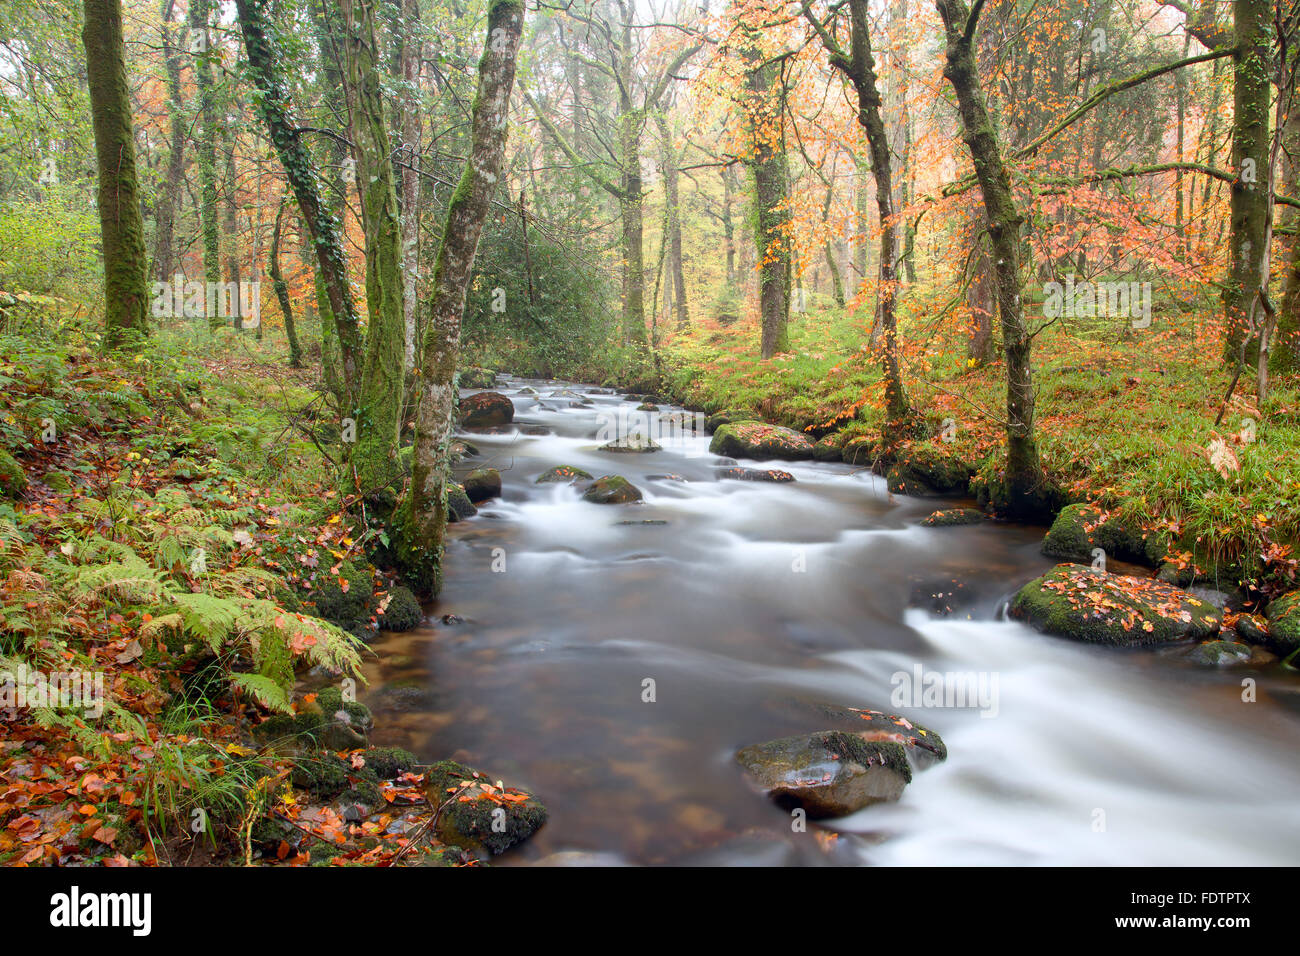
(753, 599)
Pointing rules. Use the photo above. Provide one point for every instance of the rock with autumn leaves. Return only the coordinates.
(832, 773)
(760, 440)
(1086, 604)
(477, 813)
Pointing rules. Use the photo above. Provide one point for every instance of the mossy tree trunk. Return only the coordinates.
(422, 518)
(1284, 356)
(672, 204)
(859, 66)
(770, 168)
(126, 300)
(164, 252)
(1024, 492)
(282, 289)
(264, 60)
(373, 462)
(206, 145)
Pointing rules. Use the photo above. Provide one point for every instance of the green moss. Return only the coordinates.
(563, 473)
(1284, 624)
(388, 763)
(754, 439)
(1080, 528)
(13, 480)
(953, 517)
(612, 490)
(403, 612)
(924, 470)
(478, 823)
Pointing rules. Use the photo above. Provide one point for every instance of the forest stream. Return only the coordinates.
(744, 602)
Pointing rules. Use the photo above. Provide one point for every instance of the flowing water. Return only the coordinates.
(746, 602)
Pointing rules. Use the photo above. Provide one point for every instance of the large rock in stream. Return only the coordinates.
(1081, 528)
(476, 814)
(612, 490)
(1085, 604)
(760, 440)
(485, 410)
(830, 773)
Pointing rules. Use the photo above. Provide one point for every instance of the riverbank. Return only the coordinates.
(174, 561)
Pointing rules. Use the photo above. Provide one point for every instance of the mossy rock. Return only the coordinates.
(13, 480)
(924, 746)
(1219, 653)
(459, 507)
(1284, 624)
(718, 419)
(861, 451)
(924, 470)
(482, 484)
(1088, 605)
(403, 611)
(486, 410)
(755, 474)
(563, 473)
(473, 377)
(952, 517)
(828, 448)
(478, 823)
(460, 449)
(1081, 528)
(611, 490)
(330, 701)
(345, 599)
(830, 773)
(760, 440)
(389, 763)
(632, 445)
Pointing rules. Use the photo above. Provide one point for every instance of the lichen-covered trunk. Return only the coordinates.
(373, 461)
(980, 291)
(672, 213)
(410, 63)
(206, 143)
(423, 516)
(264, 61)
(1284, 356)
(770, 167)
(126, 299)
(282, 289)
(1024, 493)
(630, 208)
(1250, 207)
(164, 252)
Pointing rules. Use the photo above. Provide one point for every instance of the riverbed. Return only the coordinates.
(612, 659)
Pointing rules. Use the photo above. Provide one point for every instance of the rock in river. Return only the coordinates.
(953, 516)
(760, 440)
(830, 773)
(563, 473)
(1284, 624)
(485, 409)
(612, 490)
(477, 814)
(632, 444)
(482, 484)
(1085, 604)
(754, 474)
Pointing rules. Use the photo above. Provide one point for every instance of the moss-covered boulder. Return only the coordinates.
(996, 494)
(328, 722)
(950, 517)
(754, 474)
(460, 449)
(1219, 653)
(611, 490)
(473, 377)
(632, 445)
(345, 598)
(482, 484)
(1081, 528)
(726, 417)
(403, 611)
(861, 451)
(924, 470)
(13, 480)
(828, 448)
(924, 747)
(565, 473)
(485, 410)
(476, 813)
(830, 773)
(1088, 605)
(459, 507)
(1284, 624)
(389, 763)
(760, 440)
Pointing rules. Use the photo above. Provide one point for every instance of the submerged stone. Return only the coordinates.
(829, 774)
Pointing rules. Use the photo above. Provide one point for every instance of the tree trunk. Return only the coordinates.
(206, 146)
(282, 289)
(126, 301)
(264, 61)
(1023, 493)
(374, 459)
(423, 517)
(164, 255)
(675, 269)
(1250, 206)
(837, 286)
(765, 113)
